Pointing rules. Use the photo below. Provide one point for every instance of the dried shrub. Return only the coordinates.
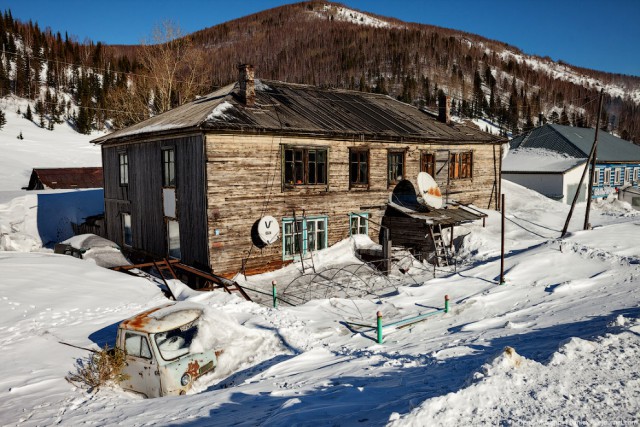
(99, 369)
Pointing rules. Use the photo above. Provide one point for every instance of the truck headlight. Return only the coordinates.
(186, 379)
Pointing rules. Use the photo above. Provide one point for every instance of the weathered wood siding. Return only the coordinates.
(142, 197)
(244, 182)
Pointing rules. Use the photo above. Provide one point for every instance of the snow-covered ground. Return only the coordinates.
(40, 148)
(568, 317)
(569, 312)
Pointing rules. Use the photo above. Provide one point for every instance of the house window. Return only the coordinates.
(617, 176)
(305, 166)
(428, 163)
(395, 166)
(358, 223)
(460, 165)
(627, 175)
(168, 168)
(310, 232)
(358, 167)
(127, 236)
(173, 239)
(123, 161)
(596, 177)
(607, 176)
(636, 174)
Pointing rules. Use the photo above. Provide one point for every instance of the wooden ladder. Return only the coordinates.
(441, 252)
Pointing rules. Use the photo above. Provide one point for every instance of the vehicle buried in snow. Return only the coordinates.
(156, 344)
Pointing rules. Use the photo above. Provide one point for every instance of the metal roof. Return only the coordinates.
(56, 178)
(297, 109)
(164, 318)
(577, 142)
(539, 160)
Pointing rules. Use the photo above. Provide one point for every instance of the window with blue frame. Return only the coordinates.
(596, 177)
(310, 232)
(358, 223)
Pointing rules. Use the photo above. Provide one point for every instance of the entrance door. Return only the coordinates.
(442, 172)
(140, 366)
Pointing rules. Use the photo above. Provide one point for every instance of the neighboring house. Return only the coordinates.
(549, 173)
(193, 183)
(617, 160)
(65, 178)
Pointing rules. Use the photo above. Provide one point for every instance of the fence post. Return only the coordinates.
(446, 303)
(275, 294)
(379, 326)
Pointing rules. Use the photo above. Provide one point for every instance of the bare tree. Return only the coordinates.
(176, 67)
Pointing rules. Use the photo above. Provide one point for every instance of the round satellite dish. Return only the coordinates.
(268, 229)
(429, 190)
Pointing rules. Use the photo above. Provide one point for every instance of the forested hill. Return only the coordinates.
(324, 44)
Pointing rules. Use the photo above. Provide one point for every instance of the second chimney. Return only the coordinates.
(247, 85)
(444, 109)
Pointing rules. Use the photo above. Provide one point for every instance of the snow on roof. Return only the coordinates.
(529, 160)
(164, 318)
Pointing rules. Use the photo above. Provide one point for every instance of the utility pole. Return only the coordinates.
(584, 172)
(593, 164)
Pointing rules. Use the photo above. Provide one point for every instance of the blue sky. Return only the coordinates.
(603, 35)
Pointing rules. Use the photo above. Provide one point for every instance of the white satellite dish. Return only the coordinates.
(268, 229)
(429, 191)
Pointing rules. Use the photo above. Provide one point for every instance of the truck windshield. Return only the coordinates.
(176, 342)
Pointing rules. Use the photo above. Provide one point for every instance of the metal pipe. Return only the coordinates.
(275, 294)
(413, 319)
(379, 326)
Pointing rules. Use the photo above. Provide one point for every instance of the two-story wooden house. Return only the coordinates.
(192, 183)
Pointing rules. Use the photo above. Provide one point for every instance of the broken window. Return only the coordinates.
(127, 235)
(175, 343)
(123, 160)
(428, 163)
(305, 166)
(358, 167)
(395, 167)
(168, 167)
(173, 239)
(460, 165)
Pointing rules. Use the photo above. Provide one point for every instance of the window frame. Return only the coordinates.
(424, 163)
(123, 217)
(123, 168)
(301, 175)
(359, 182)
(361, 218)
(626, 175)
(391, 153)
(596, 177)
(169, 168)
(305, 231)
(636, 174)
(617, 176)
(461, 165)
(168, 222)
(143, 338)
(607, 176)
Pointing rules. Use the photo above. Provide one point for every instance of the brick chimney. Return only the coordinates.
(247, 85)
(444, 109)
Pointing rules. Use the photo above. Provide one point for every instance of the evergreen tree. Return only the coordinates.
(3, 119)
(564, 118)
(20, 135)
(28, 115)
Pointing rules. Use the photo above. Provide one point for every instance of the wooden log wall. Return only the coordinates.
(143, 199)
(244, 183)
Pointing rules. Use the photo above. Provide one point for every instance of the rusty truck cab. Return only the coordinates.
(157, 345)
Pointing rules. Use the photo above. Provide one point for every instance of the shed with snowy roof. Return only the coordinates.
(193, 183)
(550, 173)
